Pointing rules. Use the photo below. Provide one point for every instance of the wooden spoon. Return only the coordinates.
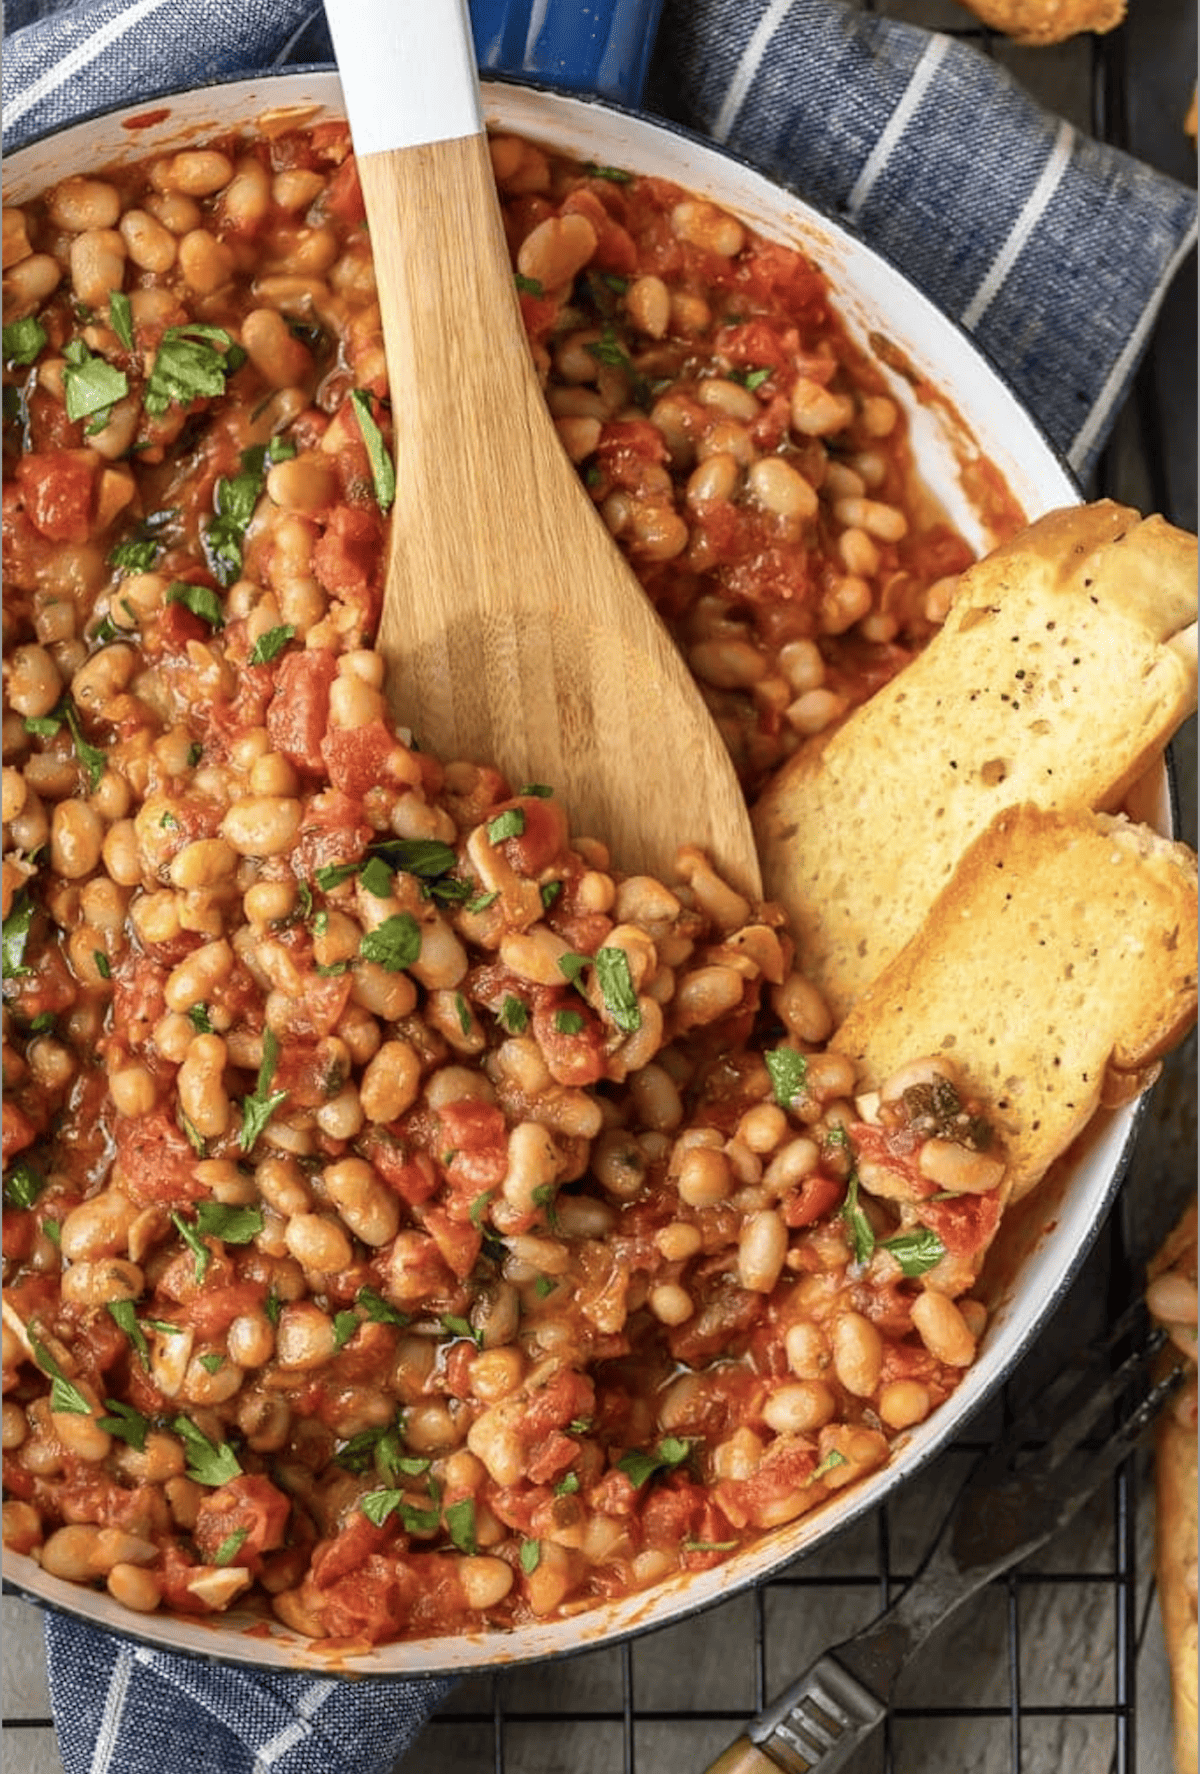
(513, 629)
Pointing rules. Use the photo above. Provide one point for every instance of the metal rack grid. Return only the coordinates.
(1047, 1668)
(1057, 1674)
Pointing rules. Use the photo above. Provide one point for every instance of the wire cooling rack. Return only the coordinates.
(1055, 1666)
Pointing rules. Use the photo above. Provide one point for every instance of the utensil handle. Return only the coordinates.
(408, 71)
(743, 1757)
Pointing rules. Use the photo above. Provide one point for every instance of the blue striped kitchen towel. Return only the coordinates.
(1053, 250)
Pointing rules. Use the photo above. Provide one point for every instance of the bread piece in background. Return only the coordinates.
(1039, 22)
(1055, 969)
(1067, 661)
(1171, 1296)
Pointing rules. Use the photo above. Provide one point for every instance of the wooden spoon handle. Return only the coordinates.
(407, 69)
(514, 631)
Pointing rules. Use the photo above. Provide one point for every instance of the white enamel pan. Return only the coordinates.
(970, 414)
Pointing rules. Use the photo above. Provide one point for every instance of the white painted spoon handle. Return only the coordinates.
(408, 71)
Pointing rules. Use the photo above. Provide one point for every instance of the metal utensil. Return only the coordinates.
(1017, 1497)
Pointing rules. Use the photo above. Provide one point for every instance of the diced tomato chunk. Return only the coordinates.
(360, 758)
(59, 491)
(250, 1507)
(158, 1166)
(299, 714)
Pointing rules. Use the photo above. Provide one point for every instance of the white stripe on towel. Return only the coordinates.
(747, 68)
(79, 58)
(898, 122)
(1031, 214)
(1096, 419)
(114, 1706)
(299, 1728)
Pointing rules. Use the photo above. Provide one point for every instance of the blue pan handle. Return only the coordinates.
(600, 47)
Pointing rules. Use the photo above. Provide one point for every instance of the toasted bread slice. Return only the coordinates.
(1065, 665)
(1175, 1537)
(1055, 970)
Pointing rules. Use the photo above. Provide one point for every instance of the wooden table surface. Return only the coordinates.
(1043, 1645)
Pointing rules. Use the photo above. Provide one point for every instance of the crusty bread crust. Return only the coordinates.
(1063, 668)
(1055, 969)
(1176, 1519)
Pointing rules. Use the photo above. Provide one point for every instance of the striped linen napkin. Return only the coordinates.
(1055, 252)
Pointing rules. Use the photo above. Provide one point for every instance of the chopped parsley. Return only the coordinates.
(638, 1465)
(124, 1314)
(394, 944)
(513, 1015)
(616, 984)
(383, 471)
(530, 1556)
(201, 600)
(460, 1525)
(235, 1225)
(258, 1108)
(191, 363)
(120, 317)
(509, 824)
(829, 1464)
(65, 1396)
(23, 341)
(126, 1424)
(208, 1462)
(23, 1184)
(270, 645)
(862, 1236)
(916, 1252)
(229, 1548)
(195, 1244)
(789, 1073)
(91, 385)
(16, 936)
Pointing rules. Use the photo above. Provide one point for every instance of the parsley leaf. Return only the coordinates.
(916, 1252)
(789, 1073)
(258, 1108)
(531, 1556)
(270, 645)
(509, 824)
(90, 384)
(65, 1396)
(198, 1016)
(189, 366)
(620, 994)
(394, 944)
(201, 600)
(638, 1465)
(568, 1022)
(120, 317)
(23, 341)
(829, 1464)
(16, 936)
(460, 1524)
(23, 1185)
(126, 1424)
(229, 1548)
(513, 1015)
(236, 1225)
(383, 471)
(124, 1314)
(527, 286)
(376, 877)
(862, 1236)
(195, 1244)
(208, 1462)
(136, 555)
(379, 1310)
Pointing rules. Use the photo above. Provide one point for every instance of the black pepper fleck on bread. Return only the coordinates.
(1066, 662)
(1056, 968)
